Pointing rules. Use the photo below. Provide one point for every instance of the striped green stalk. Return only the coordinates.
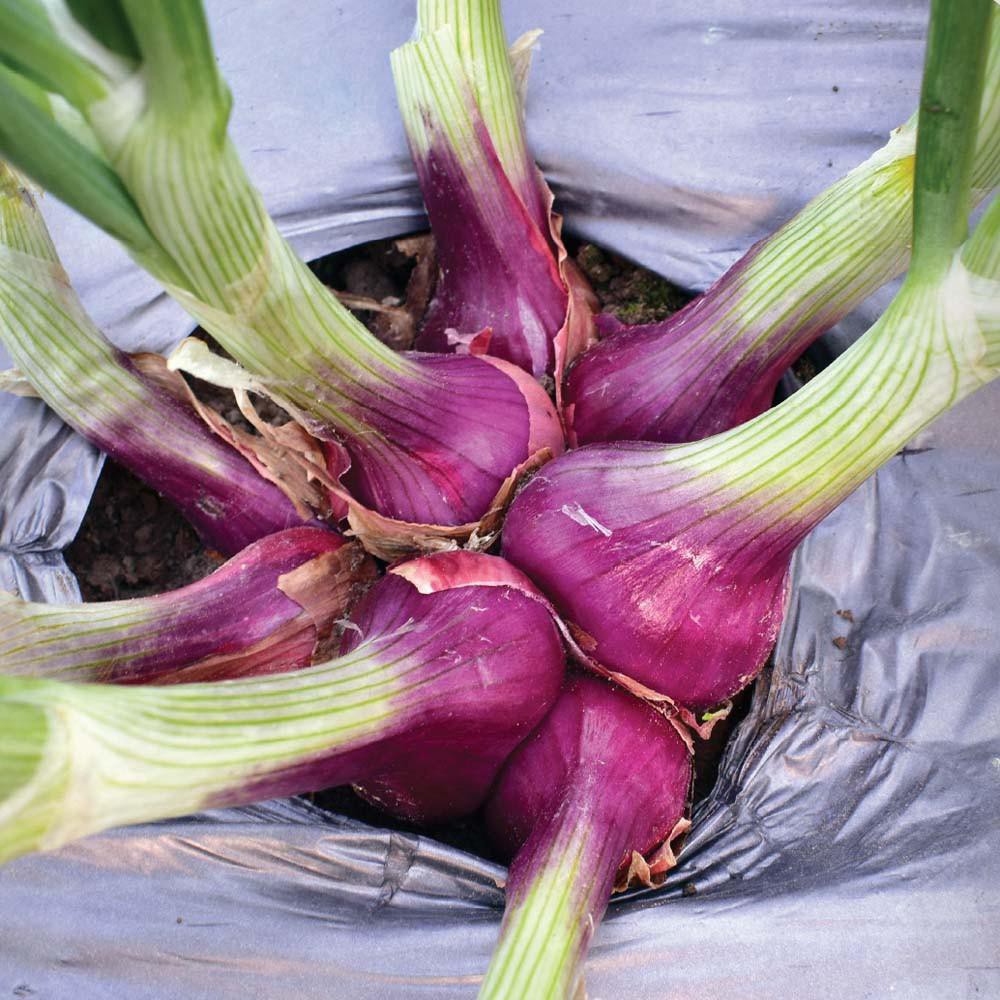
(937, 342)
(241, 279)
(431, 86)
(986, 161)
(981, 260)
(928, 345)
(715, 364)
(482, 47)
(981, 252)
(76, 641)
(70, 363)
(99, 392)
(265, 611)
(552, 914)
(161, 124)
(79, 758)
(844, 244)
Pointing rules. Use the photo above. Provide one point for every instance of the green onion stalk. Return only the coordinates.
(104, 394)
(717, 362)
(272, 608)
(595, 798)
(433, 688)
(416, 445)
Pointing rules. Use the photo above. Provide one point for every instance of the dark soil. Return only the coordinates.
(134, 543)
(629, 292)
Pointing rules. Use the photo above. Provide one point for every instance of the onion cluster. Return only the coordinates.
(429, 597)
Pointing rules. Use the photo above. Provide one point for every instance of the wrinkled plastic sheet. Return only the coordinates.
(852, 841)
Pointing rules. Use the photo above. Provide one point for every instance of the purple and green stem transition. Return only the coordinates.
(498, 272)
(496, 77)
(716, 363)
(594, 797)
(500, 289)
(270, 609)
(670, 562)
(460, 676)
(431, 440)
(99, 392)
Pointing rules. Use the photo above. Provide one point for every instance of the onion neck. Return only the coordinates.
(559, 887)
(482, 49)
(792, 465)
(105, 756)
(933, 346)
(950, 99)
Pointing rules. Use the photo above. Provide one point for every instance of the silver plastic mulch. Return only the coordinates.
(852, 843)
